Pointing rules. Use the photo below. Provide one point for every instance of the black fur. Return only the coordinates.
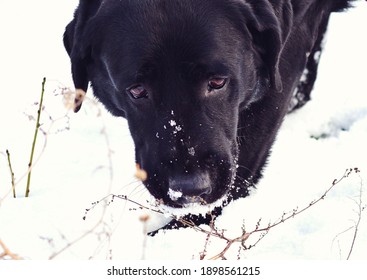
(204, 85)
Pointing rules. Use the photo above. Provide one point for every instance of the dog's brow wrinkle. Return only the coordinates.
(109, 75)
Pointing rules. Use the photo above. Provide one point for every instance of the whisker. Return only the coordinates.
(138, 192)
(247, 182)
(246, 168)
(135, 181)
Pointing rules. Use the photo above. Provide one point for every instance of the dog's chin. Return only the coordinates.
(181, 201)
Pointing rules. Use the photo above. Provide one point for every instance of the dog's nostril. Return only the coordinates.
(189, 186)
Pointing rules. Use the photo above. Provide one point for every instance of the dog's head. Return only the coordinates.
(180, 72)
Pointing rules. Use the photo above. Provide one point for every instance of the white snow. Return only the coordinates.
(176, 127)
(174, 195)
(191, 151)
(172, 123)
(86, 157)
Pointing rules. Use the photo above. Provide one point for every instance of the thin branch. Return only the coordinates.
(38, 158)
(359, 215)
(241, 239)
(207, 239)
(285, 217)
(11, 174)
(7, 252)
(144, 219)
(35, 139)
(336, 237)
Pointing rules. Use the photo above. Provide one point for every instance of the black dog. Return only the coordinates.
(203, 84)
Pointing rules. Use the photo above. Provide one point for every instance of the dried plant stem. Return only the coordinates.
(12, 174)
(286, 216)
(356, 227)
(7, 252)
(35, 139)
(242, 239)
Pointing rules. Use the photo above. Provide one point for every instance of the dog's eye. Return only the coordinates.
(216, 83)
(138, 91)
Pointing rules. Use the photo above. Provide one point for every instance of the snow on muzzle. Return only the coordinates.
(189, 188)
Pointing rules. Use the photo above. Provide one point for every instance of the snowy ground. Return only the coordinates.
(90, 155)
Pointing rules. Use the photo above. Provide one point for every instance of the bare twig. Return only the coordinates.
(264, 230)
(144, 219)
(359, 211)
(360, 208)
(11, 174)
(336, 238)
(207, 239)
(7, 253)
(35, 139)
(37, 159)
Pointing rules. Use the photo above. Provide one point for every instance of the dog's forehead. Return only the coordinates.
(178, 32)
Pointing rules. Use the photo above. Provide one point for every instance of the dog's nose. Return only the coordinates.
(189, 188)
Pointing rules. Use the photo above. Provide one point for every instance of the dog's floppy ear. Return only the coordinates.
(265, 30)
(77, 45)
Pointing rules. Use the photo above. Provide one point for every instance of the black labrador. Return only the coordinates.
(203, 84)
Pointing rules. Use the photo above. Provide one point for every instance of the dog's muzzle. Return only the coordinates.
(190, 188)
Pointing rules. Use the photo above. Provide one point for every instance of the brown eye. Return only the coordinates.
(216, 83)
(138, 91)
